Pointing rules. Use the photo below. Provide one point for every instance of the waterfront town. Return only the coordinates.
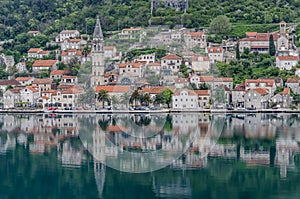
(89, 73)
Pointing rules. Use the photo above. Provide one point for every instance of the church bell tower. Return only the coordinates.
(97, 77)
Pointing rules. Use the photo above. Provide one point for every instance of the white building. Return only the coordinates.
(66, 34)
(286, 62)
(185, 99)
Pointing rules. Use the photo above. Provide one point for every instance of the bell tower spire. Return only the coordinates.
(97, 56)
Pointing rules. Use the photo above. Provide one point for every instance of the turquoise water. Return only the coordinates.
(150, 156)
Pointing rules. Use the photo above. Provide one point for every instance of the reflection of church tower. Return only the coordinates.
(99, 158)
(97, 56)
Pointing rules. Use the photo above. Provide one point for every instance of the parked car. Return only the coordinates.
(68, 108)
(52, 108)
(241, 108)
(251, 108)
(230, 108)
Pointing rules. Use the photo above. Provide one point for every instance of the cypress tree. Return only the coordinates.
(237, 52)
(272, 49)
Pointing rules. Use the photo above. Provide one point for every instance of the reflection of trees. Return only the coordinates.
(168, 126)
(103, 123)
(141, 120)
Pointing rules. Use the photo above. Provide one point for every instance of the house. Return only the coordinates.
(153, 68)
(195, 39)
(71, 54)
(286, 62)
(185, 99)
(43, 84)
(131, 33)
(238, 95)
(11, 97)
(110, 51)
(39, 65)
(57, 74)
(69, 97)
(29, 95)
(133, 69)
(294, 84)
(282, 99)
(70, 80)
(215, 54)
(171, 62)
(203, 98)
(32, 52)
(154, 90)
(66, 34)
(257, 42)
(72, 44)
(257, 98)
(200, 63)
(269, 84)
(181, 82)
(4, 84)
(21, 67)
(24, 81)
(148, 58)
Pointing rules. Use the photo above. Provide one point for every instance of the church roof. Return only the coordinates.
(98, 31)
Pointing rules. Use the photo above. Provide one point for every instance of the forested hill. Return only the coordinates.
(51, 16)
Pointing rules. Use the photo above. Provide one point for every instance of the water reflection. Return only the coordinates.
(148, 142)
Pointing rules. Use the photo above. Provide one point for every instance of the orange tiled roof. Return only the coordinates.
(23, 78)
(195, 34)
(261, 91)
(44, 52)
(113, 89)
(69, 77)
(32, 88)
(268, 82)
(293, 80)
(202, 92)
(44, 63)
(58, 72)
(9, 82)
(206, 78)
(171, 56)
(251, 34)
(154, 64)
(285, 91)
(288, 58)
(34, 50)
(154, 89)
(74, 40)
(215, 50)
(109, 47)
(43, 81)
(190, 92)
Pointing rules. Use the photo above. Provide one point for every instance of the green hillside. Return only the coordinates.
(19, 16)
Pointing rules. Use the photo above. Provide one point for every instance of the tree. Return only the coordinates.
(135, 96)
(167, 96)
(145, 99)
(237, 52)
(88, 97)
(103, 97)
(272, 49)
(220, 25)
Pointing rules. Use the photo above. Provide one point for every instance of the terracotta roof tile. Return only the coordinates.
(202, 92)
(9, 82)
(44, 63)
(288, 58)
(43, 81)
(34, 50)
(214, 50)
(293, 80)
(285, 91)
(113, 89)
(58, 72)
(195, 34)
(23, 78)
(171, 56)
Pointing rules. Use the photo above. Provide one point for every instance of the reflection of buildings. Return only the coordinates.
(257, 139)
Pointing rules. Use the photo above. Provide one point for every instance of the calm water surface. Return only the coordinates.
(150, 156)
